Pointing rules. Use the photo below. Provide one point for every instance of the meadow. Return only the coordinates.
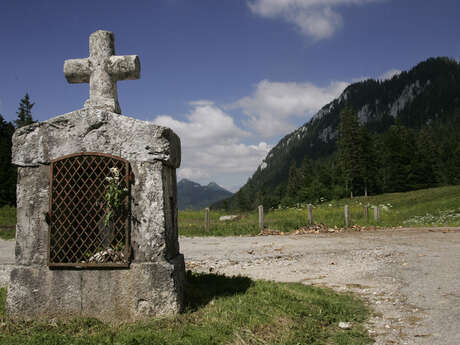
(421, 208)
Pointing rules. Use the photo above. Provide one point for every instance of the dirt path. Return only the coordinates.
(410, 277)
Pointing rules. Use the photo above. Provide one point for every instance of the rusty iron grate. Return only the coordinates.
(79, 234)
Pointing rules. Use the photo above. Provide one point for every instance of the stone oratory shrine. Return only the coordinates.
(96, 232)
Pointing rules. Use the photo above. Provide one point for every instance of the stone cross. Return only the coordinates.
(102, 69)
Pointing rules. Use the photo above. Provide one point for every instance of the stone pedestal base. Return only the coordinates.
(111, 295)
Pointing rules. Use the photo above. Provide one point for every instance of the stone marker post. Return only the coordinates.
(347, 216)
(206, 219)
(261, 217)
(310, 213)
(79, 253)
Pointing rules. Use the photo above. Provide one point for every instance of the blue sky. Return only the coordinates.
(231, 77)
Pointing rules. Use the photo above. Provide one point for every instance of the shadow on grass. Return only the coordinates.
(201, 288)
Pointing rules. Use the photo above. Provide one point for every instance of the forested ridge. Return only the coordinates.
(379, 136)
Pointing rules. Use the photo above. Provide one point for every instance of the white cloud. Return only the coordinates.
(215, 148)
(206, 125)
(273, 104)
(211, 144)
(313, 18)
(389, 74)
(194, 174)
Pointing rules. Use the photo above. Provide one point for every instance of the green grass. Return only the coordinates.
(428, 207)
(7, 222)
(219, 310)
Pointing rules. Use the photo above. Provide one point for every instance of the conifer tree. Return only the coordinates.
(349, 149)
(24, 112)
(294, 184)
(397, 159)
(243, 198)
(368, 164)
(278, 194)
(425, 162)
(307, 170)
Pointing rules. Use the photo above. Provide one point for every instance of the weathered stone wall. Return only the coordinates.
(32, 205)
(153, 285)
(95, 130)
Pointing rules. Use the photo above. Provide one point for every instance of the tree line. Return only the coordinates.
(397, 160)
(8, 172)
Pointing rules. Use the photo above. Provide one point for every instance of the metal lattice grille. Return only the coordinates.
(80, 233)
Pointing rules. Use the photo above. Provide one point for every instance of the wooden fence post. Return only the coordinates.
(376, 213)
(310, 213)
(366, 213)
(347, 216)
(206, 219)
(261, 217)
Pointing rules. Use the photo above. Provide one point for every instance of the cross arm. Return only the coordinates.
(124, 67)
(77, 70)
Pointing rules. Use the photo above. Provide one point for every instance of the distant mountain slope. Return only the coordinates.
(192, 195)
(426, 96)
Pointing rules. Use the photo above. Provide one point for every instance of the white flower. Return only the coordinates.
(115, 172)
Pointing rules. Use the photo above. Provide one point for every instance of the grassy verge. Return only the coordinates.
(428, 207)
(7, 222)
(219, 310)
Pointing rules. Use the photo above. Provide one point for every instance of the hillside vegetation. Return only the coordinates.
(427, 207)
(378, 137)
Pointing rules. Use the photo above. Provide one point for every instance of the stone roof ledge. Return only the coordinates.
(95, 130)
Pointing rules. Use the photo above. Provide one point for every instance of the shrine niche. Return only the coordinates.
(89, 216)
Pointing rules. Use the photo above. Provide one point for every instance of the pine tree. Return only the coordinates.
(425, 162)
(278, 194)
(449, 150)
(307, 170)
(294, 184)
(24, 112)
(349, 149)
(368, 163)
(399, 149)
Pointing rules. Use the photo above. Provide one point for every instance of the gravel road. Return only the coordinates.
(410, 277)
